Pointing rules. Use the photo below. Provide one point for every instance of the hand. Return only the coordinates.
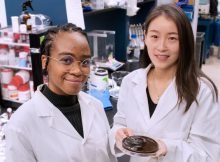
(162, 148)
(121, 134)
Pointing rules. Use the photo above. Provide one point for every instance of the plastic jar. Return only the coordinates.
(11, 57)
(6, 75)
(23, 59)
(24, 92)
(3, 54)
(15, 24)
(25, 76)
(12, 92)
(99, 79)
(3, 48)
(4, 90)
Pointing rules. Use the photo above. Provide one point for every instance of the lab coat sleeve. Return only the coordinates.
(17, 146)
(119, 120)
(112, 158)
(203, 142)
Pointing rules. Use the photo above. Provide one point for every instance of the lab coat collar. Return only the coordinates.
(169, 98)
(44, 106)
(47, 111)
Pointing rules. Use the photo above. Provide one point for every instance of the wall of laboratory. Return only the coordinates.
(55, 9)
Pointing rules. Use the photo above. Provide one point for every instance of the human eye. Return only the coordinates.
(66, 60)
(153, 36)
(173, 38)
(86, 62)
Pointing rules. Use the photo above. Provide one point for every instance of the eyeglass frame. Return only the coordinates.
(72, 64)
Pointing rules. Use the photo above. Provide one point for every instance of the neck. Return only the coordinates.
(163, 74)
(158, 81)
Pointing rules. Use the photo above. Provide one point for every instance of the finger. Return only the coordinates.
(120, 135)
(162, 148)
(129, 132)
(123, 133)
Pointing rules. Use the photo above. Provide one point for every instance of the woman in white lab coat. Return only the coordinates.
(170, 99)
(60, 123)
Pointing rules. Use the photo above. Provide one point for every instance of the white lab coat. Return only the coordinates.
(190, 137)
(39, 132)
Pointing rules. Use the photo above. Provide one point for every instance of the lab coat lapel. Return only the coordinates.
(167, 102)
(60, 123)
(87, 113)
(139, 91)
(54, 117)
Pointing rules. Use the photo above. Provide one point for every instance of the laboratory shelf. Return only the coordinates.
(14, 43)
(16, 67)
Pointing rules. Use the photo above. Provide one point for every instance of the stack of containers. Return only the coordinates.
(15, 87)
(18, 88)
(6, 76)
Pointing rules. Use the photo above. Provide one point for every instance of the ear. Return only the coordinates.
(43, 61)
(145, 39)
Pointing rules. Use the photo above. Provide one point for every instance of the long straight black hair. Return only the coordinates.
(187, 72)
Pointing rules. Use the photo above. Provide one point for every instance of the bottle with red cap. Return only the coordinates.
(4, 89)
(16, 81)
(20, 78)
(3, 54)
(6, 75)
(12, 92)
(11, 57)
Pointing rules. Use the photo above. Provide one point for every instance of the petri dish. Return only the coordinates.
(139, 145)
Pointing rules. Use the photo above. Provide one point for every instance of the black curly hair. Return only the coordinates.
(51, 35)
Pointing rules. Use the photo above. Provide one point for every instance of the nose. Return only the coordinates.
(162, 45)
(75, 68)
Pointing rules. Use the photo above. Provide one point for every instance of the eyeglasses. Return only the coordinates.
(68, 62)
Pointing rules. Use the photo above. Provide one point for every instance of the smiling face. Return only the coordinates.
(162, 42)
(61, 80)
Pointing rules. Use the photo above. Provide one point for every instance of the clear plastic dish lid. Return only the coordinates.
(139, 145)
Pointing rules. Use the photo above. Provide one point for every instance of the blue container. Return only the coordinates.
(189, 10)
(217, 33)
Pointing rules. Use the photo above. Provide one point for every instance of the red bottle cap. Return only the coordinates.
(24, 87)
(6, 70)
(16, 81)
(16, 36)
(26, 49)
(3, 46)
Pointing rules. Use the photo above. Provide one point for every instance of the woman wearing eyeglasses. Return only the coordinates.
(61, 123)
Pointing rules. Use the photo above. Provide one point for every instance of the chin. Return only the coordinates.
(73, 91)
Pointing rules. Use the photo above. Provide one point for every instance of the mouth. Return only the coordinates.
(73, 81)
(162, 57)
